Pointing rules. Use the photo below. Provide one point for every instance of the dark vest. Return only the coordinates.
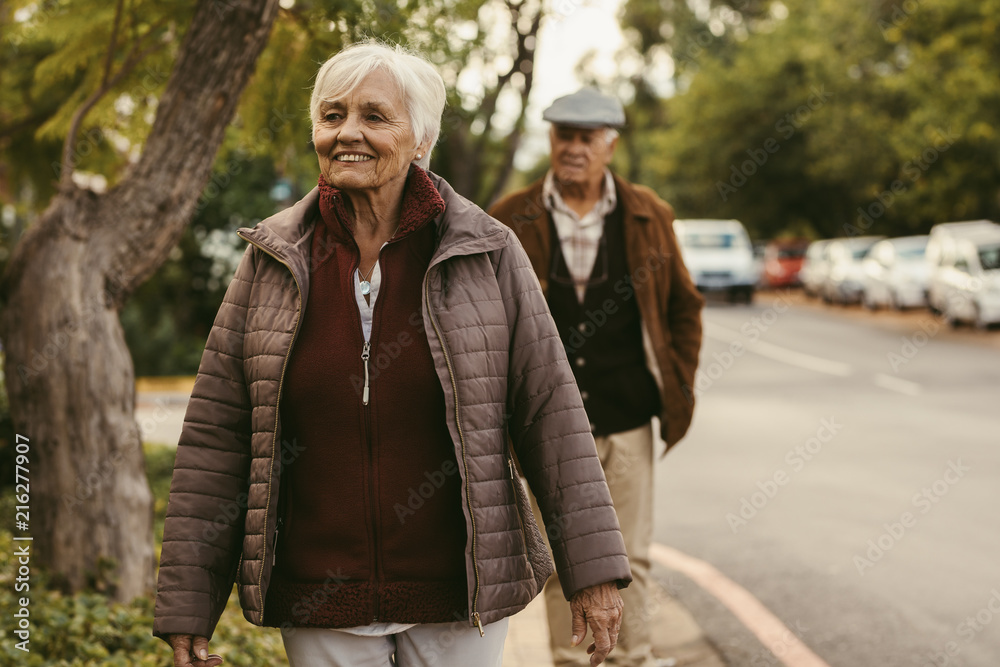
(603, 335)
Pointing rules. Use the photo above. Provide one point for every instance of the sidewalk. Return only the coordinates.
(675, 635)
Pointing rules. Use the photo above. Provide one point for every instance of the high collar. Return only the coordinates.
(421, 204)
(462, 229)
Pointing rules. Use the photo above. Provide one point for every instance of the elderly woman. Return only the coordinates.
(381, 357)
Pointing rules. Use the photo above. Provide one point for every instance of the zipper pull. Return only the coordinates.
(365, 354)
(475, 617)
(274, 545)
(510, 464)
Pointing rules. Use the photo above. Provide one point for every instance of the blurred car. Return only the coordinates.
(845, 280)
(782, 262)
(970, 279)
(896, 273)
(815, 267)
(758, 261)
(940, 253)
(718, 256)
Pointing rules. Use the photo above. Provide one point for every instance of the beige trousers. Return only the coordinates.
(627, 459)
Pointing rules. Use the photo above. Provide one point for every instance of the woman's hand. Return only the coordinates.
(191, 651)
(601, 607)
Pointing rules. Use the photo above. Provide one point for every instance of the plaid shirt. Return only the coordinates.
(580, 238)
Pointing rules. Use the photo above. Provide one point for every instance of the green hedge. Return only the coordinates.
(85, 630)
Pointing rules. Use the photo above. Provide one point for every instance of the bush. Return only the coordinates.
(86, 630)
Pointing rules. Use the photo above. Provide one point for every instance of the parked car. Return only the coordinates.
(970, 279)
(718, 256)
(941, 249)
(844, 282)
(815, 267)
(758, 261)
(783, 261)
(896, 273)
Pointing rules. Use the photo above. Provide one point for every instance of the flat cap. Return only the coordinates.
(586, 108)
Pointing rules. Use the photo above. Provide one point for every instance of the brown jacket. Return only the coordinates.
(503, 370)
(669, 303)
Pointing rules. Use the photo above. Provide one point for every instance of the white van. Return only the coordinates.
(969, 278)
(941, 248)
(719, 256)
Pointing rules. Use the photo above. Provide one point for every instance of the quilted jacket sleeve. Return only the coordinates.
(203, 531)
(551, 436)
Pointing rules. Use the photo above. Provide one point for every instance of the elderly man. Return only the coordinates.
(629, 317)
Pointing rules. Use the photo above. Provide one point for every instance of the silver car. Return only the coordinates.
(896, 274)
(815, 267)
(845, 279)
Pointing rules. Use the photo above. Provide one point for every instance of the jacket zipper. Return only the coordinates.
(465, 462)
(277, 413)
(372, 493)
(372, 477)
(365, 354)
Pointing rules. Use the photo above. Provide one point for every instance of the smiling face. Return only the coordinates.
(580, 155)
(363, 139)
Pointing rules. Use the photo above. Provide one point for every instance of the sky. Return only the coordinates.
(572, 29)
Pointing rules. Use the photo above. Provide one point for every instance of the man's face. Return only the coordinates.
(580, 155)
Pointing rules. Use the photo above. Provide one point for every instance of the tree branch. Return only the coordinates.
(114, 39)
(133, 58)
(524, 55)
(161, 191)
(514, 139)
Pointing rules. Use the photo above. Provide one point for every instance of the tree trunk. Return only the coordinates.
(69, 374)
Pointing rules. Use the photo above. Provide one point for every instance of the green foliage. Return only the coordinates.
(85, 630)
(53, 57)
(7, 434)
(839, 106)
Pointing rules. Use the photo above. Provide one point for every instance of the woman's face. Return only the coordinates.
(364, 140)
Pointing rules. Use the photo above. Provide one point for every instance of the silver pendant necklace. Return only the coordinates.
(366, 287)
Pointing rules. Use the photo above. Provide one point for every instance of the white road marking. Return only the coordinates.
(772, 633)
(895, 384)
(782, 354)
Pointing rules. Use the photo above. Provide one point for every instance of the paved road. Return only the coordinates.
(845, 469)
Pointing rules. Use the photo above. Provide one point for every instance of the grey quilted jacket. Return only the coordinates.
(504, 371)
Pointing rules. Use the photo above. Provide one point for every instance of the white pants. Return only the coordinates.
(425, 645)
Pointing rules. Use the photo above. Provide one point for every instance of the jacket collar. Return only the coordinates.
(532, 212)
(463, 229)
(635, 206)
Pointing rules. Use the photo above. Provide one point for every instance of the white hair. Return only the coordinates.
(420, 86)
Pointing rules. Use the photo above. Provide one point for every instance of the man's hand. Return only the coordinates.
(601, 607)
(191, 651)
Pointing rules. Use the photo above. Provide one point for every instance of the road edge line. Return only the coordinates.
(784, 644)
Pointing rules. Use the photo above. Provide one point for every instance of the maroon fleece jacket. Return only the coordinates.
(371, 525)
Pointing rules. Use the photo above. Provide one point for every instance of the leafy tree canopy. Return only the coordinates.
(827, 118)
